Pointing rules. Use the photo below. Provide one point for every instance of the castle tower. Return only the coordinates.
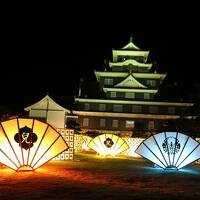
(129, 105)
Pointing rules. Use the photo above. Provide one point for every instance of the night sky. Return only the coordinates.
(66, 43)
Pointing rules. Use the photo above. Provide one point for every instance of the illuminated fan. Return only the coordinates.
(26, 144)
(170, 149)
(108, 144)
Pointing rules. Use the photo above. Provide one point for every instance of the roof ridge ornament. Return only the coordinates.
(131, 45)
(131, 38)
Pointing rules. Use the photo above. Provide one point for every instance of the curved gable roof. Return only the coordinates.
(130, 81)
(131, 46)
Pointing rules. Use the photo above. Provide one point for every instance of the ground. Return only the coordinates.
(93, 177)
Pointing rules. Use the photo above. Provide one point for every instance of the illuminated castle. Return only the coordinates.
(128, 107)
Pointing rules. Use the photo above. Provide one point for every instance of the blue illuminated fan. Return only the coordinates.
(170, 149)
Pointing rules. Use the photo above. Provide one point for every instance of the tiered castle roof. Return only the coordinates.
(129, 67)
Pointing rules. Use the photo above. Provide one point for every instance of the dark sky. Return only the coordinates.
(68, 42)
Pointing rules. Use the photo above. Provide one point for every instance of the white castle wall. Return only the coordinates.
(68, 135)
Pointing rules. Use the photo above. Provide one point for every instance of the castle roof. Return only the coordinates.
(130, 62)
(46, 103)
(131, 82)
(130, 90)
(131, 45)
(155, 103)
(125, 74)
(131, 50)
(132, 53)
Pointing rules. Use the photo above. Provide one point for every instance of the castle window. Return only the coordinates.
(171, 110)
(121, 58)
(137, 108)
(153, 109)
(86, 106)
(146, 96)
(183, 110)
(102, 122)
(108, 81)
(130, 95)
(117, 108)
(142, 69)
(102, 107)
(130, 124)
(151, 83)
(85, 122)
(115, 123)
(113, 94)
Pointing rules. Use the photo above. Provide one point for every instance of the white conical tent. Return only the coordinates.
(170, 149)
(108, 144)
(28, 143)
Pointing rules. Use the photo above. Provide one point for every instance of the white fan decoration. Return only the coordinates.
(86, 140)
(170, 149)
(26, 144)
(108, 144)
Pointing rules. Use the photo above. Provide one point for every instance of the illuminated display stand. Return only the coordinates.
(26, 144)
(170, 150)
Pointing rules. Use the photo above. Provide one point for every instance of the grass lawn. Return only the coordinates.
(92, 177)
